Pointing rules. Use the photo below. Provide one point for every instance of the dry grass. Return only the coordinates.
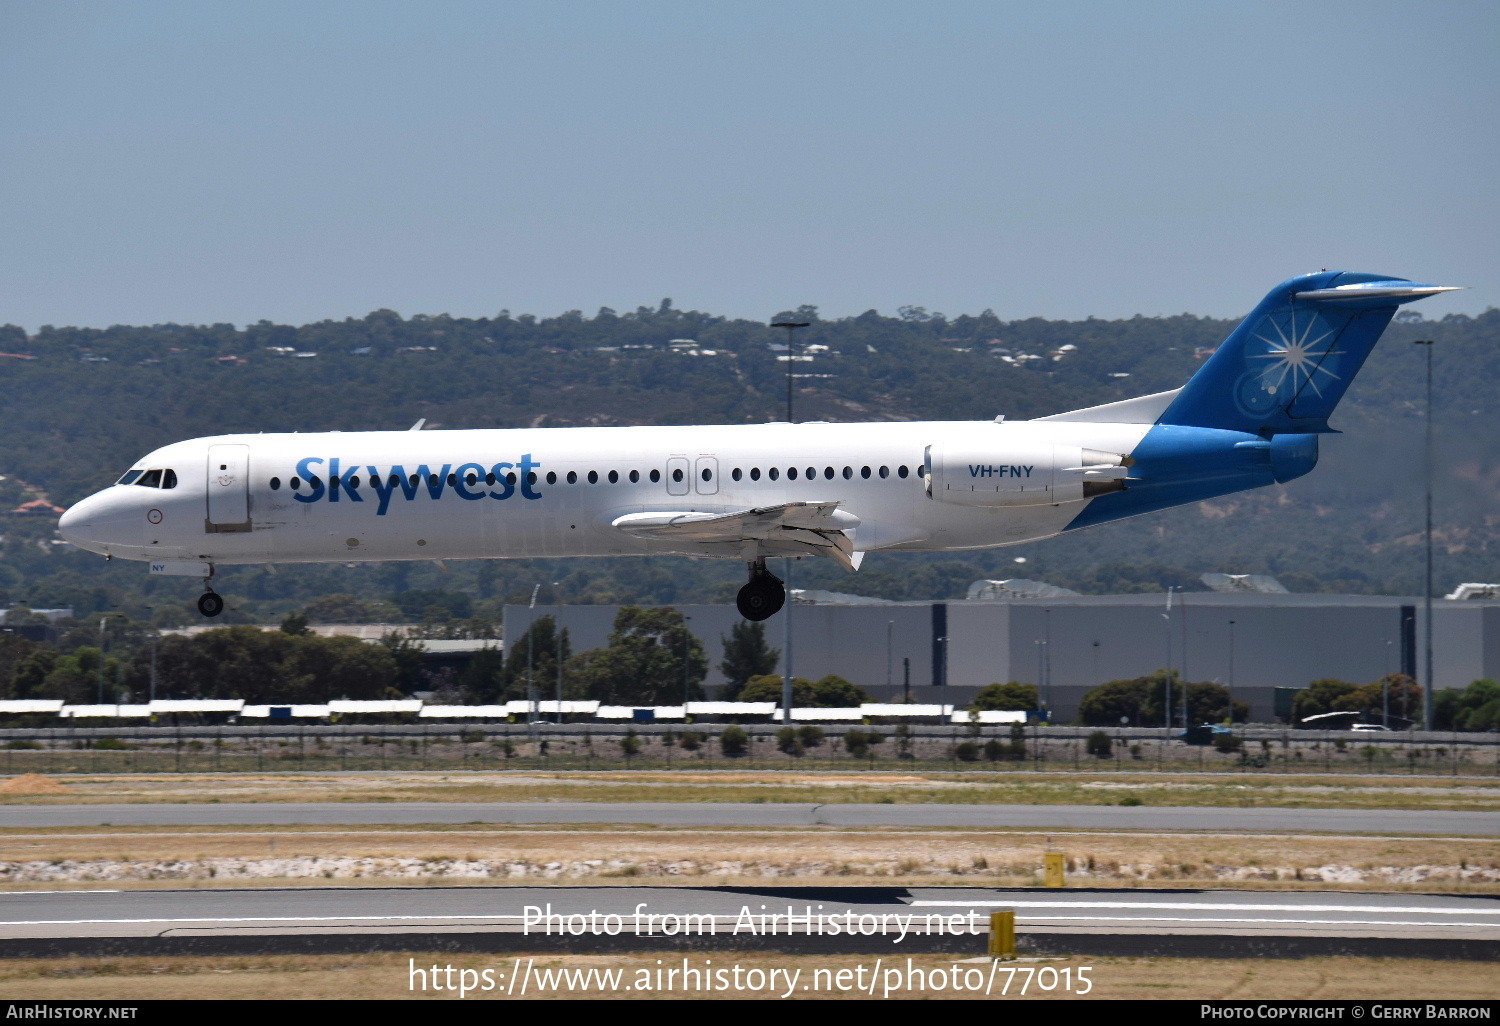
(654, 855)
(385, 976)
(978, 787)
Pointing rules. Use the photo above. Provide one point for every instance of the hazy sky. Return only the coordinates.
(206, 161)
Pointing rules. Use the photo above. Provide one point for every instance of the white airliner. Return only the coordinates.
(1250, 416)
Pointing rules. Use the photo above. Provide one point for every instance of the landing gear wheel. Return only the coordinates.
(762, 598)
(210, 604)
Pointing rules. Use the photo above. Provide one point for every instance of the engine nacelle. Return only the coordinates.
(1025, 474)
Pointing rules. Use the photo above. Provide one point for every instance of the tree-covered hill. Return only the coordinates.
(83, 404)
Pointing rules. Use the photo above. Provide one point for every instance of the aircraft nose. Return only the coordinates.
(87, 525)
(75, 522)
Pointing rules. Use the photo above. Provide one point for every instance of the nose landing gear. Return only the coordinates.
(763, 596)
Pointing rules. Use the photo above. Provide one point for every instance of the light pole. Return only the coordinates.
(1385, 688)
(102, 622)
(687, 638)
(1231, 673)
(1047, 657)
(786, 660)
(1427, 593)
(889, 624)
(1167, 673)
(532, 692)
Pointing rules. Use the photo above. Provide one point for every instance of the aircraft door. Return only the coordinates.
(706, 480)
(678, 471)
(228, 488)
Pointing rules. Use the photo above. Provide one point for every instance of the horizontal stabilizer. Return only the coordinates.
(1386, 291)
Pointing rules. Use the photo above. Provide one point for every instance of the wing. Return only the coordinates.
(790, 529)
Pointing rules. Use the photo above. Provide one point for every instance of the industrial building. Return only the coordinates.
(1066, 644)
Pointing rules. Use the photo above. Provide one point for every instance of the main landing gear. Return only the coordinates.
(209, 603)
(764, 595)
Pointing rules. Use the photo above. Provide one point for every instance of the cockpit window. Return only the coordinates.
(129, 478)
(150, 479)
(169, 479)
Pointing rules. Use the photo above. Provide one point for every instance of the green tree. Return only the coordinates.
(746, 655)
(1014, 696)
(830, 692)
(643, 664)
(492, 678)
(767, 688)
(1321, 696)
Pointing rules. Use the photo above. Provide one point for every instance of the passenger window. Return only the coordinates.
(864, 472)
(510, 477)
(296, 483)
(471, 479)
(755, 473)
(531, 477)
(354, 481)
(677, 474)
(593, 477)
(848, 473)
(394, 481)
(791, 473)
(901, 470)
(551, 477)
(707, 475)
(130, 476)
(614, 477)
(922, 471)
(169, 479)
(655, 476)
(812, 473)
(572, 477)
(736, 473)
(275, 484)
(489, 478)
(432, 480)
(828, 473)
(885, 472)
(773, 473)
(415, 480)
(635, 475)
(150, 479)
(452, 480)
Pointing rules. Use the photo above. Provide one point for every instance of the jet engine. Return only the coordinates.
(1026, 474)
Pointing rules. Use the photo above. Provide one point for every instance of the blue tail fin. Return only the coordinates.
(1287, 365)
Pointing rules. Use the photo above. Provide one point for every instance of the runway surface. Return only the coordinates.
(738, 911)
(705, 814)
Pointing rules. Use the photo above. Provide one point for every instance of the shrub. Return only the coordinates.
(968, 751)
(788, 742)
(811, 735)
(114, 744)
(1228, 743)
(859, 742)
(470, 736)
(630, 744)
(733, 741)
(691, 740)
(994, 751)
(1099, 745)
(18, 746)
